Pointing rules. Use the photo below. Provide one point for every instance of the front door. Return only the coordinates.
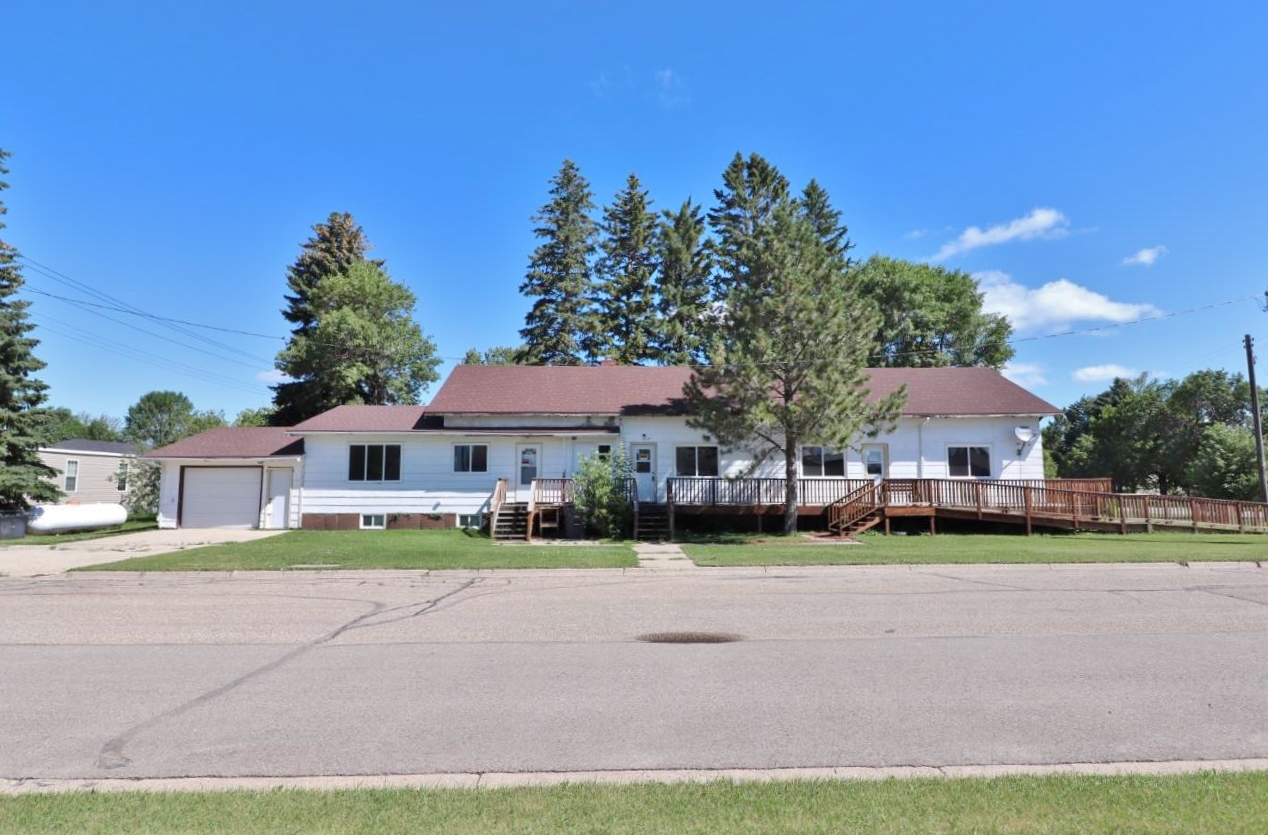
(876, 461)
(525, 469)
(279, 498)
(643, 458)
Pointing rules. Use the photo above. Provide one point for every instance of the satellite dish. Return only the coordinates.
(1024, 434)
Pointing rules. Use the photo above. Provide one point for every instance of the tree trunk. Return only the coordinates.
(790, 488)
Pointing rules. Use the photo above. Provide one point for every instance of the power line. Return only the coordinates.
(152, 316)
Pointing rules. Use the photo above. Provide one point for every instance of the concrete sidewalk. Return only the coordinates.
(33, 560)
(662, 556)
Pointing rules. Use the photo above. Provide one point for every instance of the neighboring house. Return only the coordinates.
(406, 466)
(91, 471)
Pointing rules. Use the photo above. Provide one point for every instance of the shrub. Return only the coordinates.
(599, 493)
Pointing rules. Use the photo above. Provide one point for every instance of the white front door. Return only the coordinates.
(875, 460)
(526, 460)
(279, 498)
(643, 463)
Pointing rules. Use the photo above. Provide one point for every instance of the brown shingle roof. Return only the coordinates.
(625, 390)
(234, 442)
(958, 391)
(358, 418)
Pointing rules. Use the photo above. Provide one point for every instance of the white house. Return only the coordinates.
(410, 466)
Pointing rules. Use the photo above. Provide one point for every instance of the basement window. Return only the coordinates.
(471, 520)
(373, 522)
(969, 461)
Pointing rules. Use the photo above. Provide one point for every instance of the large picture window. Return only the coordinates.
(817, 461)
(471, 458)
(969, 461)
(697, 460)
(374, 462)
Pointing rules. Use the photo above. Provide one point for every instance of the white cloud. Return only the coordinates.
(1104, 373)
(916, 234)
(271, 376)
(1054, 306)
(1026, 374)
(1040, 223)
(671, 90)
(1146, 257)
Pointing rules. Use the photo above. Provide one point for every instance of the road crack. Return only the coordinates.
(112, 755)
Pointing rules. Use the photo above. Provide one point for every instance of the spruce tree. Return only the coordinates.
(23, 423)
(788, 360)
(683, 296)
(559, 274)
(335, 246)
(622, 327)
(751, 190)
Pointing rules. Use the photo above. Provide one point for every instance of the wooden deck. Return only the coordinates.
(1069, 504)
(850, 505)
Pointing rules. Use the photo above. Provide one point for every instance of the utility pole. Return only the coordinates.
(1258, 419)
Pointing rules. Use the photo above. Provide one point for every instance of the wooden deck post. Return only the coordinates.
(933, 525)
(1122, 516)
(1026, 499)
(1149, 519)
(1193, 514)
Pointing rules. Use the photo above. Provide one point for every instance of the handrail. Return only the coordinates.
(854, 506)
(495, 505)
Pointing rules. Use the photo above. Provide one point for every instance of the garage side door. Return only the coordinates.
(221, 497)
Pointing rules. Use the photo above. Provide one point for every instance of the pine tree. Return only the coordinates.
(751, 191)
(559, 273)
(336, 245)
(683, 296)
(22, 420)
(622, 326)
(817, 208)
(789, 357)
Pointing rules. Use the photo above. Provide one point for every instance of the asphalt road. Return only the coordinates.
(251, 674)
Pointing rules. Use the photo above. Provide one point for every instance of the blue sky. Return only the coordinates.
(1093, 163)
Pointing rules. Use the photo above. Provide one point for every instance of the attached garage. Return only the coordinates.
(231, 477)
(221, 497)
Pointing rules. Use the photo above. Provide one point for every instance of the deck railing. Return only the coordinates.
(495, 505)
(757, 491)
(559, 491)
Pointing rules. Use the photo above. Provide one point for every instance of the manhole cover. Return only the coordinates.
(690, 638)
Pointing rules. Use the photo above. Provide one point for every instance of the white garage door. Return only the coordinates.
(221, 497)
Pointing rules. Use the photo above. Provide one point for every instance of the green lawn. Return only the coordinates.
(130, 526)
(379, 549)
(1224, 803)
(981, 548)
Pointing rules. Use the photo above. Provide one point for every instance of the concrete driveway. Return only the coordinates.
(34, 560)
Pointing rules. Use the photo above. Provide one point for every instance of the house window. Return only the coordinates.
(373, 522)
(121, 480)
(374, 462)
(471, 520)
(969, 461)
(471, 458)
(604, 452)
(72, 476)
(817, 461)
(697, 461)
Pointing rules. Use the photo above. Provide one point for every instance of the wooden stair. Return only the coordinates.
(511, 521)
(855, 512)
(651, 522)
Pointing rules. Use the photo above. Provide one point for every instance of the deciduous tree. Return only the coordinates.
(335, 246)
(931, 317)
(160, 418)
(363, 345)
(22, 419)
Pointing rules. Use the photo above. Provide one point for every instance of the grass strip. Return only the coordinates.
(878, 549)
(424, 550)
(130, 526)
(1204, 802)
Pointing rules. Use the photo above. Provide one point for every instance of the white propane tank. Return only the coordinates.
(64, 518)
